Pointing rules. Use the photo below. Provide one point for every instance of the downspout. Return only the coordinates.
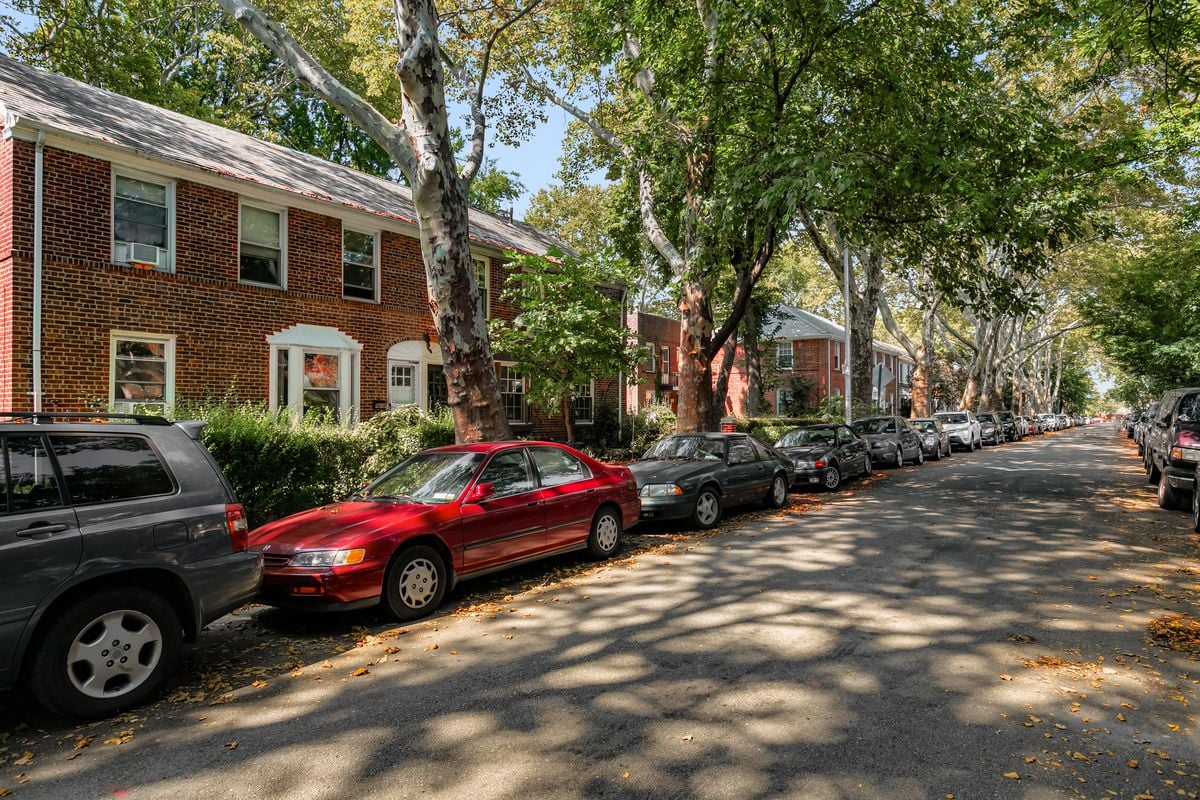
(621, 372)
(37, 270)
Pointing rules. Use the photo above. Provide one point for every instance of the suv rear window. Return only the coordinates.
(102, 468)
(31, 481)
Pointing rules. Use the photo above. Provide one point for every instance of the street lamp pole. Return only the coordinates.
(846, 370)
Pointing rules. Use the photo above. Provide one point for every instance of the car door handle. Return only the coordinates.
(42, 530)
(533, 503)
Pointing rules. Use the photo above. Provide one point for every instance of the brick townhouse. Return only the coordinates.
(657, 377)
(804, 350)
(148, 257)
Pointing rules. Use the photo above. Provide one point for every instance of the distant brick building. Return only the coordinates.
(804, 352)
(657, 376)
(178, 260)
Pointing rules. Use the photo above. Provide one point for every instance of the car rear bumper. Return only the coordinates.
(219, 585)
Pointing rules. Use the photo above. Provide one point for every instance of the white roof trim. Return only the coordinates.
(317, 336)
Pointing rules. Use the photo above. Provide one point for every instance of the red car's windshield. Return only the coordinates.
(433, 478)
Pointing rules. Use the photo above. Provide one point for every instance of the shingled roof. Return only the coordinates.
(789, 322)
(43, 100)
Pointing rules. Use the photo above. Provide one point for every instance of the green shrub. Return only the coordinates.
(648, 425)
(277, 466)
(392, 436)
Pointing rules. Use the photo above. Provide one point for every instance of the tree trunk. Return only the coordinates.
(754, 376)
(695, 411)
(421, 146)
(721, 392)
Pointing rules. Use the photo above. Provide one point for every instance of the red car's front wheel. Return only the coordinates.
(415, 583)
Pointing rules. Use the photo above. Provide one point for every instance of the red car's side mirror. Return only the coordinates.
(480, 492)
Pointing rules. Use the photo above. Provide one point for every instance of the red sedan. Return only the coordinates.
(445, 514)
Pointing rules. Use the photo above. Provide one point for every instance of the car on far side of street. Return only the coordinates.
(825, 455)
(962, 427)
(440, 516)
(697, 475)
(991, 431)
(891, 439)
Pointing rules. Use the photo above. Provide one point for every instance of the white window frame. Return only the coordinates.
(486, 263)
(837, 356)
(504, 365)
(169, 368)
(780, 349)
(592, 395)
(137, 175)
(377, 243)
(283, 251)
(300, 339)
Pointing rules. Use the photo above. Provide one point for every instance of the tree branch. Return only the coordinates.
(310, 72)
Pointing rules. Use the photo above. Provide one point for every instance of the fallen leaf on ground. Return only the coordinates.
(24, 759)
(359, 671)
(1006, 677)
(1132, 763)
(122, 737)
(1016, 776)
(231, 745)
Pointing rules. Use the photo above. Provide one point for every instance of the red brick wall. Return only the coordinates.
(220, 325)
(658, 332)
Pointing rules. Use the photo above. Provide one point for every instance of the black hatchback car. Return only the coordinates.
(119, 541)
(697, 475)
(824, 455)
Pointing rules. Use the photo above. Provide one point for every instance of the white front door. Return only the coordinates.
(402, 384)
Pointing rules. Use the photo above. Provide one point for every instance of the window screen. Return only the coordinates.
(103, 468)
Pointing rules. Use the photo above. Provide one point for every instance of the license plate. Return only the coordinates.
(813, 480)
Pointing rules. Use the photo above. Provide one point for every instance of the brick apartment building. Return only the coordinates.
(806, 350)
(170, 259)
(657, 377)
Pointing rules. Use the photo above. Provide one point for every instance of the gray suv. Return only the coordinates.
(119, 541)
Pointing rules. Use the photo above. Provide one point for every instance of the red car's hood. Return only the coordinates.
(337, 526)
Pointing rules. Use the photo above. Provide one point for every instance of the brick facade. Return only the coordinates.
(220, 325)
(647, 386)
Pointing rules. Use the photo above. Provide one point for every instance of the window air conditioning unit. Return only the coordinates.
(136, 253)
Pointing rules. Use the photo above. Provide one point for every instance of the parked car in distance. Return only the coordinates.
(121, 540)
(891, 439)
(1173, 443)
(990, 429)
(1064, 421)
(697, 475)
(934, 439)
(441, 516)
(825, 455)
(1033, 427)
(962, 427)
(1008, 423)
(1130, 421)
(1049, 422)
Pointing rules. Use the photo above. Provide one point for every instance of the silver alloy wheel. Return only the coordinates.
(707, 508)
(899, 456)
(607, 532)
(114, 654)
(418, 583)
(833, 478)
(778, 490)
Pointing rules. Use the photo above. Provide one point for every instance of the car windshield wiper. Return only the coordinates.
(401, 498)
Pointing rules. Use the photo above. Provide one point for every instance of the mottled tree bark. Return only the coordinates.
(721, 389)
(753, 358)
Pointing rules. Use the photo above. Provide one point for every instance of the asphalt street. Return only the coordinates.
(975, 628)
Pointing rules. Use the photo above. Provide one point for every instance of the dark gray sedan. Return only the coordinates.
(934, 438)
(825, 454)
(891, 440)
(697, 475)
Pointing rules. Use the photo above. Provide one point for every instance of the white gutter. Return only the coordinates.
(37, 270)
(621, 373)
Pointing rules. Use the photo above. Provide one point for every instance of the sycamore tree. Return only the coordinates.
(421, 144)
(568, 330)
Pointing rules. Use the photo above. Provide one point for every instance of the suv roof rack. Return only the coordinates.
(43, 417)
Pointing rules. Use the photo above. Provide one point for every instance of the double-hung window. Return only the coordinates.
(665, 372)
(583, 402)
(484, 281)
(263, 254)
(512, 394)
(143, 221)
(783, 355)
(360, 269)
(142, 370)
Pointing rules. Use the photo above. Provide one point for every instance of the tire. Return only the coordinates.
(605, 536)
(949, 450)
(776, 493)
(920, 457)
(937, 452)
(707, 512)
(1153, 473)
(415, 583)
(867, 466)
(899, 457)
(1169, 497)
(1196, 508)
(73, 655)
(831, 481)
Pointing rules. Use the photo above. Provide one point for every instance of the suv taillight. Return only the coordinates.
(239, 528)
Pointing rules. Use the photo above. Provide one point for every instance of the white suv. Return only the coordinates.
(963, 428)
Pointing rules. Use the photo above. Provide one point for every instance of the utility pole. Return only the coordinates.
(847, 372)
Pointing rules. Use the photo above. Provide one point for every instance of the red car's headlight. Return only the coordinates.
(328, 558)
